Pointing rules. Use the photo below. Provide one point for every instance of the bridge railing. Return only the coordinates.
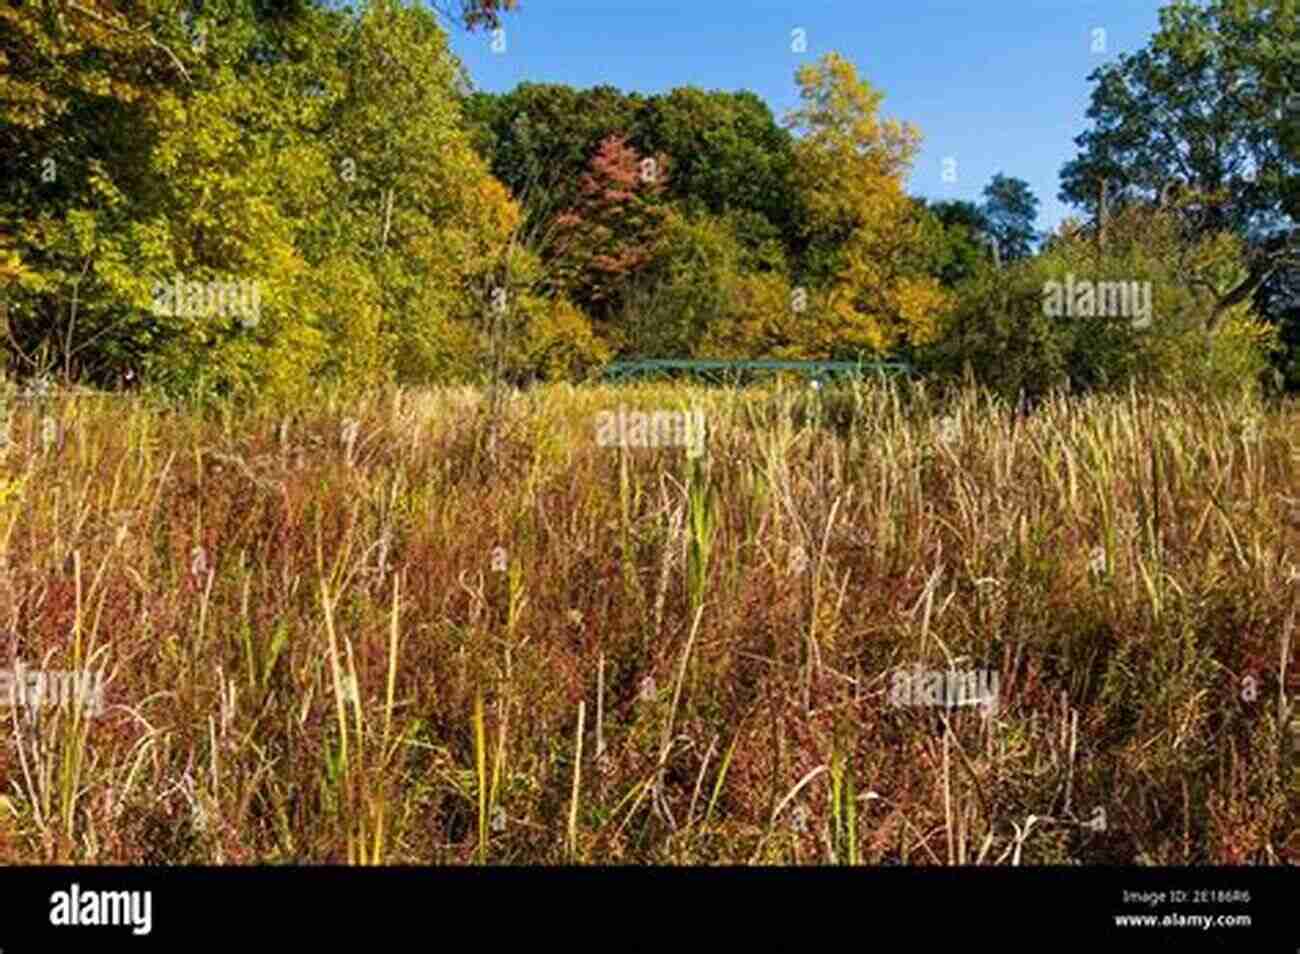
(729, 372)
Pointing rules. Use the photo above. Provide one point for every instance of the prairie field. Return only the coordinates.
(408, 628)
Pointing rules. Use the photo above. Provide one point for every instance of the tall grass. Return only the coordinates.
(312, 654)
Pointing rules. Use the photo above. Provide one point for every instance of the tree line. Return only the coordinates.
(396, 225)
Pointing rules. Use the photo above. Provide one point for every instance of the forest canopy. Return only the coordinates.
(397, 225)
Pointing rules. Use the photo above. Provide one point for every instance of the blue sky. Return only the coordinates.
(998, 86)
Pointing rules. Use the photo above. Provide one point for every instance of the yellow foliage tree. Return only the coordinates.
(850, 167)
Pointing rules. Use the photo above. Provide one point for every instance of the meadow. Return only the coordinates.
(402, 627)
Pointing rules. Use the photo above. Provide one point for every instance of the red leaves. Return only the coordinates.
(616, 227)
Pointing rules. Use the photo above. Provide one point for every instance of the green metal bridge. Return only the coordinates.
(735, 372)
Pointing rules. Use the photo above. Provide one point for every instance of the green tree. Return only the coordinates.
(320, 157)
(729, 154)
(730, 157)
(1198, 121)
(539, 138)
(1009, 212)
(1040, 323)
(132, 161)
(964, 250)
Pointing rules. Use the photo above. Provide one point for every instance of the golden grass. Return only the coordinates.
(312, 655)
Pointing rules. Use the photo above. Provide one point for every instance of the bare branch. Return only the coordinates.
(142, 32)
